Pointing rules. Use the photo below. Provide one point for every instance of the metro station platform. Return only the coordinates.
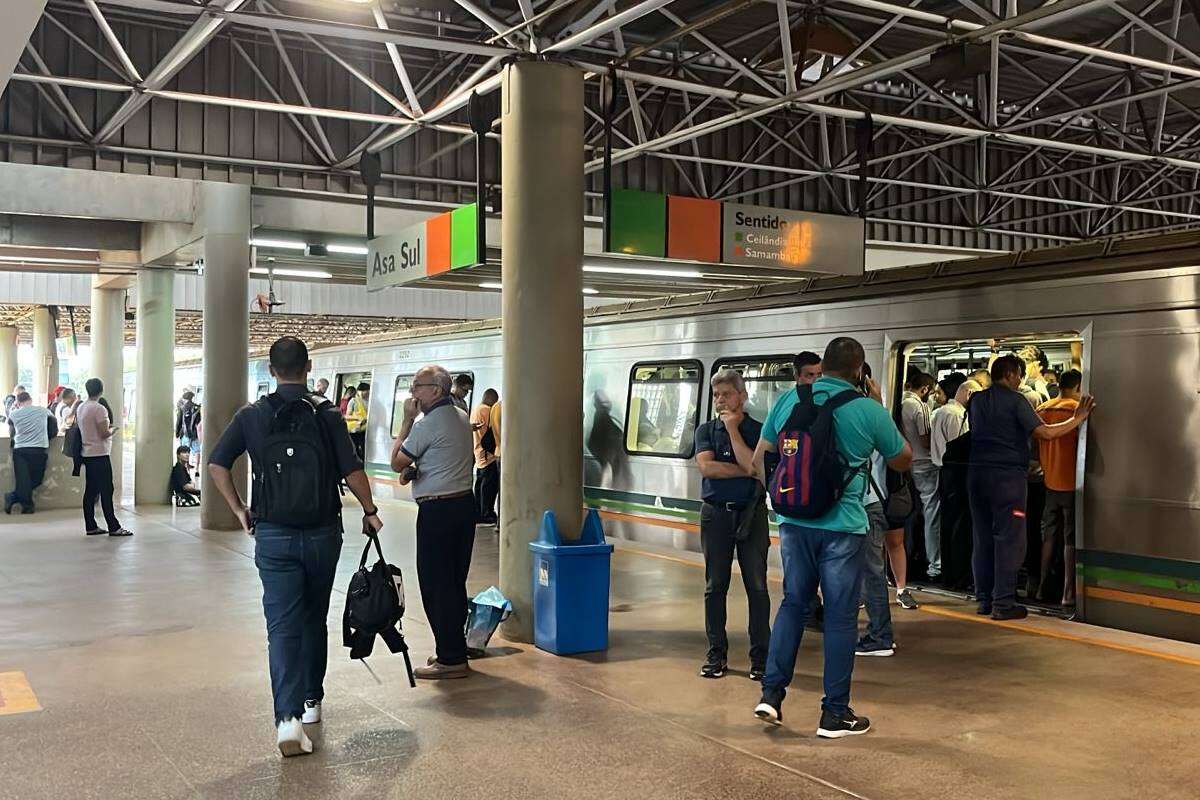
(146, 658)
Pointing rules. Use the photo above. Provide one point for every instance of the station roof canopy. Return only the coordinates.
(1001, 125)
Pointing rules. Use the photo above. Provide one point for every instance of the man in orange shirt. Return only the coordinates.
(1058, 463)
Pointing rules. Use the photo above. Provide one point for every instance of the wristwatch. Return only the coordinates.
(372, 513)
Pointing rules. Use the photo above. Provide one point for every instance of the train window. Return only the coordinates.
(399, 395)
(664, 400)
(766, 377)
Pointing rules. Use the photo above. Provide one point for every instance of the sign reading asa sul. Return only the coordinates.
(396, 259)
(770, 237)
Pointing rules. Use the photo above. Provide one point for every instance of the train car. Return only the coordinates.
(1134, 333)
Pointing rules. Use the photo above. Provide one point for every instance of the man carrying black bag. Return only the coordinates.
(733, 518)
(300, 451)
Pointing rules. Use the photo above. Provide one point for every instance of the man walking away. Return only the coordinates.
(31, 428)
(187, 423)
(96, 430)
(1001, 423)
(487, 469)
(356, 418)
(1058, 462)
(434, 455)
(732, 519)
(296, 440)
(827, 551)
(915, 425)
(463, 384)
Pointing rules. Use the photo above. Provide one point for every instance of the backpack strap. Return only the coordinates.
(803, 398)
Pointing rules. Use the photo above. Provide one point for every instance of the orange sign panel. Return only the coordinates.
(693, 229)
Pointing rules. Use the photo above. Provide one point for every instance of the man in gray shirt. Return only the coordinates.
(915, 425)
(435, 454)
(31, 428)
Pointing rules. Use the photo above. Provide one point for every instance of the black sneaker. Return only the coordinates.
(983, 609)
(1013, 612)
(769, 709)
(96, 532)
(905, 599)
(834, 726)
(713, 669)
(758, 672)
(874, 649)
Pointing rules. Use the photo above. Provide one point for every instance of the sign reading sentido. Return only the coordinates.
(770, 237)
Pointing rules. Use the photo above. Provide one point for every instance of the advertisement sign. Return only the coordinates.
(66, 346)
(759, 236)
(398, 258)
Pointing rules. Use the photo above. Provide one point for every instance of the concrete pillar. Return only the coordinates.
(225, 211)
(108, 360)
(8, 359)
(542, 243)
(154, 447)
(45, 356)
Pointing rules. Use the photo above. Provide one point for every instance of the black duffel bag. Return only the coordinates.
(375, 606)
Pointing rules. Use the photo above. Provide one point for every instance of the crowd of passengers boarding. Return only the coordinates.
(820, 456)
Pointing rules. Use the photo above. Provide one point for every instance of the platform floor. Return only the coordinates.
(147, 657)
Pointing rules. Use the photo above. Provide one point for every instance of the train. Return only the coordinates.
(1127, 315)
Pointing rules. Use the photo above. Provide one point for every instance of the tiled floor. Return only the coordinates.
(148, 657)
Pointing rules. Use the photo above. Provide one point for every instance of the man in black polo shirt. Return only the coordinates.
(733, 518)
(296, 563)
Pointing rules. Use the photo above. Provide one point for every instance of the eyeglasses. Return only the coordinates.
(418, 385)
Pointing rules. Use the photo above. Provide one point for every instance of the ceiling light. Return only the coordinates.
(660, 273)
(48, 260)
(589, 290)
(279, 244)
(491, 286)
(292, 273)
(347, 249)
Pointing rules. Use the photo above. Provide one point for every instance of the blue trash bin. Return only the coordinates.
(570, 588)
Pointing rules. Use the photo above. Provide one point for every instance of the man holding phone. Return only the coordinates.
(97, 431)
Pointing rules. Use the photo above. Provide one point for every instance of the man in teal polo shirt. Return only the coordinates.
(828, 551)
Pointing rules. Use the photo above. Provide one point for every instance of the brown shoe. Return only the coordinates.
(439, 671)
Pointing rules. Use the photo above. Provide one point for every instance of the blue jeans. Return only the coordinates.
(297, 567)
(834, 560)
(875, 590)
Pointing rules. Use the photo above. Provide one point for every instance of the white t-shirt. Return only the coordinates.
(914, 424)
(948, 423)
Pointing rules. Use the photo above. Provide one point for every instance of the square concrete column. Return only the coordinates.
(108, 359)
(45, 356)
(154, 452)
(541, 460)
(225, 215)
(8, 359)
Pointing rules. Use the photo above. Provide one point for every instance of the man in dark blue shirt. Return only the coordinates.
(733, 518)
(1001, 423)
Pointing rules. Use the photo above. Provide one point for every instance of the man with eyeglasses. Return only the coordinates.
(435, 454)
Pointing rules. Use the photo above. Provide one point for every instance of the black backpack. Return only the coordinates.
(487, 442)
(374, 607)
(296, 484)
(812, 474)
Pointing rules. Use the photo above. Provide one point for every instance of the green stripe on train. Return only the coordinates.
(1096, 574)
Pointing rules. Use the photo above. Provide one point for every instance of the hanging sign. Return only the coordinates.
(397, 258)
(447, 241)
(66, 346)
(770, 237)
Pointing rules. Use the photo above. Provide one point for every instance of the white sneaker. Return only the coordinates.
(312, 712)
(292, 739)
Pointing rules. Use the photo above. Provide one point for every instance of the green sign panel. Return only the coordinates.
(464, 245)
(639, 223)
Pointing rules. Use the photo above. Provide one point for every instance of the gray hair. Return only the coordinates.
(441, 377)
(731, 377)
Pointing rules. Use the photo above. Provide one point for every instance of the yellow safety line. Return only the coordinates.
(16, 695)
(965, 617)
(1148, 600)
